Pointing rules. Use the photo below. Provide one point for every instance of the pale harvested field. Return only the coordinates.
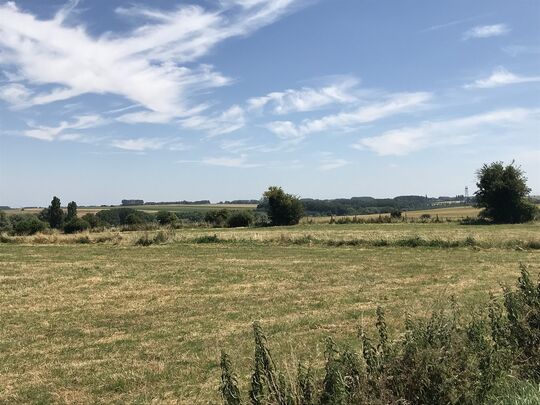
(113, 322)
(450, 213)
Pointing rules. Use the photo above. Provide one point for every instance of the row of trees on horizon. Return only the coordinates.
(502, 194)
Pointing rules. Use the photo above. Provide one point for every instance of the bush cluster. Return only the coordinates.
(446, 359)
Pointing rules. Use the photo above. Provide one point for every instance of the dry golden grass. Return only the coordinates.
(112, 322)
(451, 213)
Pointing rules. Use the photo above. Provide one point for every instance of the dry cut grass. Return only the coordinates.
(120, 323)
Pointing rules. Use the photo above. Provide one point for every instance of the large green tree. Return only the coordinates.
(502, 193)
(71, 211)
(283, 208)
(56, 214)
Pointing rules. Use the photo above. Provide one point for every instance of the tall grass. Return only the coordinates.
(483, 358)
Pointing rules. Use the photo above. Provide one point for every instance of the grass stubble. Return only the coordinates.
(119, 322)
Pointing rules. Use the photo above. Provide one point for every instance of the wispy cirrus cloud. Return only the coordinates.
(15, 94)
(60, 132)
(138, 144)
(487, 31)
(228, 161)
(147, 66)
(332, 164)
(501, 77)
(393, 104)
(228, 121)
(457, 131)
(307, 98)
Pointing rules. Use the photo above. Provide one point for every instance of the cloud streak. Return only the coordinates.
(146, 66)
(306, 99)
(406, 140)
(394, 104)
(501, 77)
(486, 31)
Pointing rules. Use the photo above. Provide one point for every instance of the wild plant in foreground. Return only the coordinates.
(445, 359)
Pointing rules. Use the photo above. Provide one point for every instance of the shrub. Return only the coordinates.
(166, 217)
(190, 216)
(5, 223)
(76, 225)
(239, 219)
(92, 220)
(216, 218)
(445, 359)
(395, 214)
(124, 216)
(27, 224)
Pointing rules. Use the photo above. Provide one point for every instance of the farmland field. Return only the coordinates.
(148, 208)
(110, 321)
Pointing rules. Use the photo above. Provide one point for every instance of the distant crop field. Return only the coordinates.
(443, 213)
(149, 208)
(96, 318)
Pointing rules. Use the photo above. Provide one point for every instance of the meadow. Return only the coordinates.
(98, 318)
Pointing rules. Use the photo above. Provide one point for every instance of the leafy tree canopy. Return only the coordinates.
(283, 208)
(502, 193)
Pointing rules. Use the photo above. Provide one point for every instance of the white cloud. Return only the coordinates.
(143, 144)
(487, 31)
(228, 121)
(306, 99)
(501, 77)
(15, 94)
(145, 66)
(457, 131)
(138, 144)
(331, 164)
(394, 104)
(238, 162)
(46, 133)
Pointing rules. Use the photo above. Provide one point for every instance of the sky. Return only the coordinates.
(165, 100)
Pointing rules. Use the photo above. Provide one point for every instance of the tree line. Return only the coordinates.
(502, 194)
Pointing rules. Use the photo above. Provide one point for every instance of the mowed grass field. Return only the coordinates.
(114, 322)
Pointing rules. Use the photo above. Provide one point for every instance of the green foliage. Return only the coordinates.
(27, 224)
(283, 209)
(76, 225)
(123, 216)
(239, 219)
(166, 217)
(395, 214)
(71, 211)
(92, 220)
(229, 385)
(5, 223)
(55, 214)
(217, 218)
(207, 239)
(502, 193)
(445, 359)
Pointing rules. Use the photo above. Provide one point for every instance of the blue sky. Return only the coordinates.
(168, 100)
